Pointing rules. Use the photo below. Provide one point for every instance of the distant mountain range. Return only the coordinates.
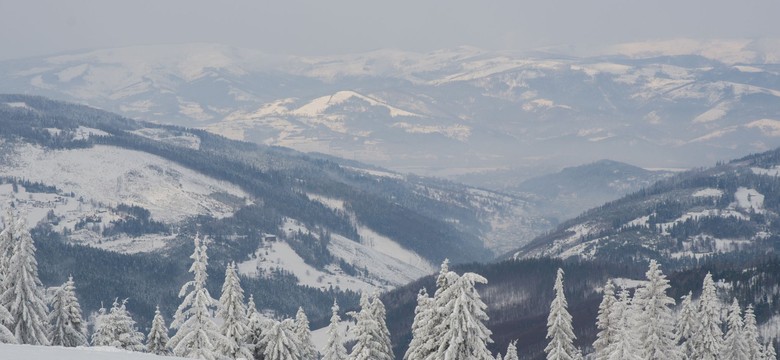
(105, 194)
(674, 104)
(731, 208)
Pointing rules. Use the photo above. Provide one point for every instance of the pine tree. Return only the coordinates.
(197, 335)
(769, 351)
(655, 322)
(607, 329)
(706, 340)
(462, 333)
(364, 331)
(421, 345)
(23, 296)
(751, 334)
(67, 327)
(735, 347)
(117, 329)
(157, 340)
(625, 344)
(302, 330)
(234, 327)
(511, 351)
(334, 349)
(383, 334)
(281, 343)
(687, 324)
(257, 327)
(8, 238)
(559, 326)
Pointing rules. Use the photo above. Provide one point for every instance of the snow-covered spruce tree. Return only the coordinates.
(607, 329)
(197, 335)
(334, 348)
(751, 334)
(8, 239)
(382, 334)
(23, 296)
(157, 340)
(625, 345)
(421, 345)
(364, 331)
(232, 311)
(462, 333)
(559, 326)
(6, 336)
(118, 329)
(67, 327)
(256, 329)
(655, 319)
(735, 347)
(511, 351)
(302, 330)
(281, 343)
(686, 325)
(769, 351)
(706, 340)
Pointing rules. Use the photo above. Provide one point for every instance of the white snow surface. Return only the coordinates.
(749, 199)
(775, 171)
(708, 192)
(388, 264)
(111, 175)
(14, 352)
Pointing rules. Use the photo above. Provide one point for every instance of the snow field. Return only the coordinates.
(13, 352)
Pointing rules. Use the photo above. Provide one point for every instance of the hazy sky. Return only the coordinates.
(32, 27)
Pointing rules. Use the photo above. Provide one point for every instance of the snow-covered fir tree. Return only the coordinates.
(23, 295)
(280, 342)
(499, 357)
(462, 333)
(117, 328)
(6, 336)
(197, 335)
(511, 351)
(382, 334)
(334, 348)
(421, 345)
(735, 347)
(655, 319)
(368, 346)
(607, 329)
(559, 327)
(157, 340)
(625, 346)
(302, 330)
(687, 323)
(235, 327)
(8, 238)
(66, 324)
(706, 340)
(751, 334)
(256, 329)
(769, 351)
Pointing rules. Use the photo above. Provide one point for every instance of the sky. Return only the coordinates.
(330, 27)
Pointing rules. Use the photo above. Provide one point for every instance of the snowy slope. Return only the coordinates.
(18, 352)
(111, 175)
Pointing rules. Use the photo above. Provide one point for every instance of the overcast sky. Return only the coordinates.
(32, 27)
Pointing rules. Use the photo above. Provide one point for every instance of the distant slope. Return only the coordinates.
(729, 208)
(93, 179)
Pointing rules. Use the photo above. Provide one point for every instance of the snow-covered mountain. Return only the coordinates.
(99, 180)
(731, 208)
(669, 104)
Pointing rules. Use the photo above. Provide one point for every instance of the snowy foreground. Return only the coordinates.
(13, 352)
